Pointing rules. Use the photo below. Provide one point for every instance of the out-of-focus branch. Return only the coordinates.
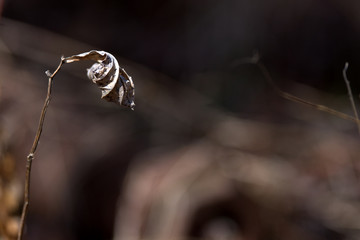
(256, 61)
(347, 82)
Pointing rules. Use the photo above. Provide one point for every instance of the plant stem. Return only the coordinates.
(30, 157)
(255, 59)
(351, 98)
(294, 98)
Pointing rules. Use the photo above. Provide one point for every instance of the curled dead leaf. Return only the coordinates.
(115, 84)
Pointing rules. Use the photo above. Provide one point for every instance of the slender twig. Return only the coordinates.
(111, 91)
(256, 61)
(347, 82)
(30, 157)
(294, 98)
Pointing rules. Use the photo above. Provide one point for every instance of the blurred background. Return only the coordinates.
(211, 151)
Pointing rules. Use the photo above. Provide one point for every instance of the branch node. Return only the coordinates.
(48, 73)
(30, 156)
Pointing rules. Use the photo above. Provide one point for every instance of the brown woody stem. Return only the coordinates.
(31, 155)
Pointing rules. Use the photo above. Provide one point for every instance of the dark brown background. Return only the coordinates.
(183, 57)
(303, 40)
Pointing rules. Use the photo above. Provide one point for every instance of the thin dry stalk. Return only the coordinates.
(116, 86)
(31, 155)
(300, 100)
(347, 82)
(265, 72)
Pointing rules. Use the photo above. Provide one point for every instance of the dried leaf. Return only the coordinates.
(115, 84)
